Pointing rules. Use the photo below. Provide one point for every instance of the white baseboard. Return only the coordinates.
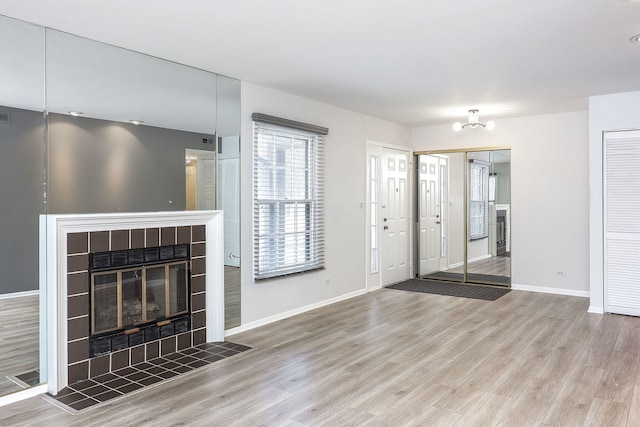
(557, 291)
(480, 258)
(19, 294)
(300, 310)
(596, 310)
(22, 395)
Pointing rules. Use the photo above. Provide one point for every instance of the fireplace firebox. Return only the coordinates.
(137, 296)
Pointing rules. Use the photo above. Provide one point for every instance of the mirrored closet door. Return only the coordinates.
(463, 211)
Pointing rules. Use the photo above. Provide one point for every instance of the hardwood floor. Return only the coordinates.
(19, 345)
(497, 266)
(231, 297)
(400, 358)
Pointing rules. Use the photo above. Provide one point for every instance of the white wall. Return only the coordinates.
(345, 220)
(606, 112)
(549, 194)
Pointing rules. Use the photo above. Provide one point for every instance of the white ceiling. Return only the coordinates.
(411, 61)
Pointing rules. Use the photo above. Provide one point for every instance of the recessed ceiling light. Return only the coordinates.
(76, 113)
(635, 39)
(136, 122)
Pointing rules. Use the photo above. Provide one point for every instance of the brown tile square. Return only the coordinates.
(78, 351)
(99, 366)
(200, 336)
(155, 370)
(83, 385)
(184, 341)
(77, 283)
(98, 241)
(137, 376)
(119, 359)
(213, 358)
(125, 371)
(199, 320)
(198, 249)
(77, 243)
(83, 404)
(167, 374)
(184, 235)
(95, 390)
(152, 237)
(186, 360)
(167, 236)
(119, 240)
(137, 354)
(118, 382)
(198, 363)
(108, 395)
(198, 233)
(168, 345)
(77, 263)
(78, 372)
(70, 398)
(137, 238)
(105, 378)
(153, 350)
(198, 302)
(198, 266)
(182, 369)
(150, 380)
(78, 306)
(129, 388)
(78, 328)
(198, 284)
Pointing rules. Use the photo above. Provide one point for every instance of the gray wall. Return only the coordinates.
(102, 166)
(21, 198)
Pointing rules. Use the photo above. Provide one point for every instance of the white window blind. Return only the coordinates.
(478, 209)
(288, 199)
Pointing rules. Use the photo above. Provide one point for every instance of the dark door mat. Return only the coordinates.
(471, 277)
(451, 289)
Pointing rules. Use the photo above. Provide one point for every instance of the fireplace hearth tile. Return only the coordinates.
(78, 372)
(99, 366)
(83, 404)
(137, 354)
(150, 380)
(111, 394)
(200, 336)
(198, 266)
(78, 328)
(78, 351)
(198, 284)
(103, 388)
(198, 249)
(153, 350)
(77, 263)
(184, 341)
(78, 305)
(119, 359)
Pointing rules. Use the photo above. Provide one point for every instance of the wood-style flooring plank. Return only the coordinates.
(395, 358)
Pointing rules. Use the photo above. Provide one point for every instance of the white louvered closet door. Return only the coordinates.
(622, 222)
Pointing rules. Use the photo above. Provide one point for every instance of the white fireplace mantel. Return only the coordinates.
(53, 275)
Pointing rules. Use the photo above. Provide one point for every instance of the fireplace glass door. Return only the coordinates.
(124, 299)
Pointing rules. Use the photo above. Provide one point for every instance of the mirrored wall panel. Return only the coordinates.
(22, 173)
(464, 224)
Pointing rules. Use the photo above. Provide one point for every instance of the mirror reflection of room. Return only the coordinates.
(464, 216)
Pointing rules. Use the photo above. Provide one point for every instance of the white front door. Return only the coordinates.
(394, 211)
(429, 214)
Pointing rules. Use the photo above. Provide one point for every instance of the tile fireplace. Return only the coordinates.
(127, 288)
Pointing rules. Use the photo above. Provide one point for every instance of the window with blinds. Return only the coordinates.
(288, 197)
(478, 190)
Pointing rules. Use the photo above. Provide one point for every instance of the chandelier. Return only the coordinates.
(474, 122)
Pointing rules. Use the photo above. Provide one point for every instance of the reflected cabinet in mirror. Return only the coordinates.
(464, 223)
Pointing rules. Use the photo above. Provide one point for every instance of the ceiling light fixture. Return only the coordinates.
(76, 113)
(474, 122)
(635, 39)
(136, 122)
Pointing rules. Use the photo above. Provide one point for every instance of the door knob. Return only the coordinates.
(385, 227)
(384, 219)
(437, 222)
